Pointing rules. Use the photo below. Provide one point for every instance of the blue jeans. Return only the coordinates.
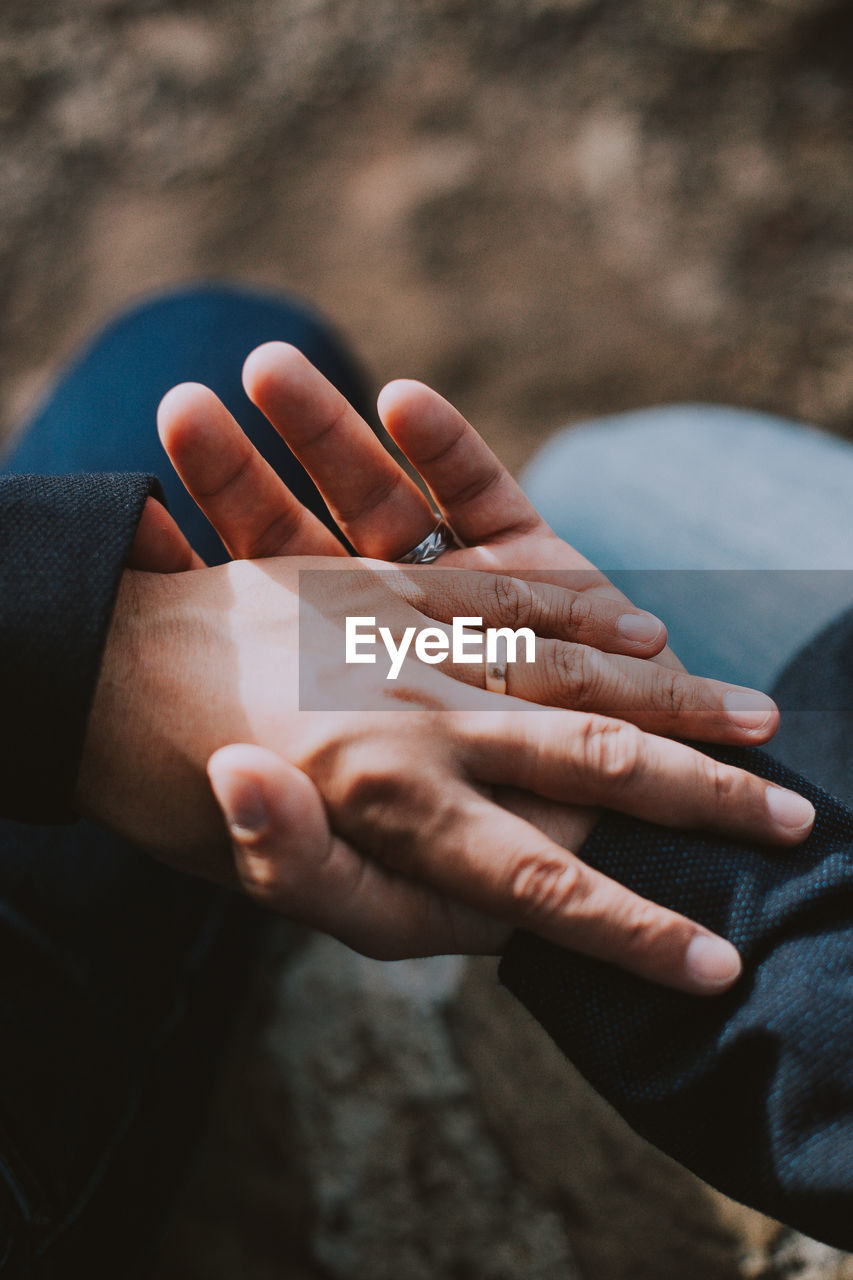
(119, 977)
(733, 526)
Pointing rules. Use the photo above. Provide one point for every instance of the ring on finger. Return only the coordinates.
(496, 667)
(440, 539)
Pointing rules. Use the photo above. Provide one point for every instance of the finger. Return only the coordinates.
(566, 824)
(483, 504)
(588, 759)
(580, 676)
(655, 698)
(248, 504)
(500, 600)
(472, 487)
(481, 501)
(379, 508)
(502, 866)
(158, 545)
(574, 677)
(288, 859)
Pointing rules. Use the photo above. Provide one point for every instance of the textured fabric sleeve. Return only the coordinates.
(752, 1090)
(63, 543)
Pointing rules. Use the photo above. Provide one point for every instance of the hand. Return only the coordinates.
(591, 658)
(375, 503)
(254, 513)
(195, 661)
(288, 858)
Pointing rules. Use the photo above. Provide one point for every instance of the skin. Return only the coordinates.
(423, 830)
(196, 659)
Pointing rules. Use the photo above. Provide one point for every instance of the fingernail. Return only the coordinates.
(241, 801)
(747, 708)
(712, 962)
(641, 627)
(789, 809)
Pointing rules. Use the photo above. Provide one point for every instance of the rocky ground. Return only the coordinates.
(411, 1120)
(548, 209)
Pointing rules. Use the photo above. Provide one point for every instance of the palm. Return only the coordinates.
(382, 511)
(539, 554)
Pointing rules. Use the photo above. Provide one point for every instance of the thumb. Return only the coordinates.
(288, 859)
(276, 820)
(159, 546)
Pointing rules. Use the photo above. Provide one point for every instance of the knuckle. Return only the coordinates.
(720, 781)
(674, 694)
(544, 887)
(270, 540)
(577, 673)
(641, 928)
(371, 782)
(373, 497)
(611, 750)
(398, 815)
(464, 494)
(511, 599)
(576, 613)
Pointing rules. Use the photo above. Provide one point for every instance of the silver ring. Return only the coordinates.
(437, 541)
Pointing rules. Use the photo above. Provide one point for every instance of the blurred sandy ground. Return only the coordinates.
(549, 210)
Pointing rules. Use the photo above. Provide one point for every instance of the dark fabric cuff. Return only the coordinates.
(63, 543)
(752, 1090)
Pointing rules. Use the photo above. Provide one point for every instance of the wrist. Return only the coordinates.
(147, 741)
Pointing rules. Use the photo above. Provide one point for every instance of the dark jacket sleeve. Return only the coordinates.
(752, 1090)
(63, 543)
